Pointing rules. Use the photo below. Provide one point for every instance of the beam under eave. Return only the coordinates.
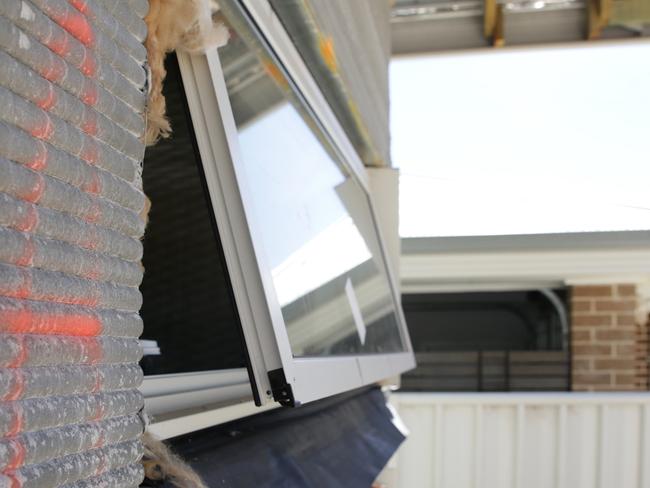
(599, 14)
(489, 18)
(498, 36)
(493, 20)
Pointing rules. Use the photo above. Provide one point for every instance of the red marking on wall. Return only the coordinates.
(96, 272)
(27, 257)
(77, 25)
(40, 160)
(44, 130)
(15, 482)
(101, 467)
(89, 94)
(16, 320)
(54, 71)
(73, 324)
(35, 193)
(93, 184)
(29, 221)
(90, 301)
(90, 151)
(101, 440)
(93, 215)
(86, 301)
(49, 100)
(60, 44)
(18, 457)
(81, 5)
(21, 357)
(99, 412)
(27, 321)
(95, 351)
(25, 289)
(17, 420)
(89, 124)
(89, 64)
(17, 388)
(91, 240)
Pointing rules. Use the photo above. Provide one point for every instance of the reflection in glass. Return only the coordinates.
(317, 233)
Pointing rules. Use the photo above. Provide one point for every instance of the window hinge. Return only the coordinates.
(281, 390)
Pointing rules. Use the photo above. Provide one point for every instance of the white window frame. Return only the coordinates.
(266, 337)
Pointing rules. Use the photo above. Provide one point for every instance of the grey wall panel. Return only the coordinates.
(355, 79)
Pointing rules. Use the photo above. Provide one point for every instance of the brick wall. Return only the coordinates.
(609, 346)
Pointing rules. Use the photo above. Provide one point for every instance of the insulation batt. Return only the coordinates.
(185, 25)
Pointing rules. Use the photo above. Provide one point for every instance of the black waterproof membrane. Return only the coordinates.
(339, 442)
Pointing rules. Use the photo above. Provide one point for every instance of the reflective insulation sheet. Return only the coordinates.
(72, 98)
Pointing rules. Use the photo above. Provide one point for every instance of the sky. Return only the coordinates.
(516, 141)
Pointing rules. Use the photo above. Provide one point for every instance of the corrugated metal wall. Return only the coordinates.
(71, 118)
(346, 45)
(519, 440)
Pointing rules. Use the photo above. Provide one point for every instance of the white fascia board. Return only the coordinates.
(429, 272)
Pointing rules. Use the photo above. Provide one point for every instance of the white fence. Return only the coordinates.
(522, 440)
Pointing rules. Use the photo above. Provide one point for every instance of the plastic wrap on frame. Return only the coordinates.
(97, 37)
(49, 33)
(45, 445)
(45, 413)
(53, 68)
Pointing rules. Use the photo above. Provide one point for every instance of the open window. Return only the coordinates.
(281, 242)
(194, 354)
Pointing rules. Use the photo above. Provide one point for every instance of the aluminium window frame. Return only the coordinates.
(217, 141)
(300, 380)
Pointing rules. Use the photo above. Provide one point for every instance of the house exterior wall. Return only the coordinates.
(332, 37)
(609, 342)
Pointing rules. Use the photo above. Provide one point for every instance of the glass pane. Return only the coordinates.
(313, 219)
